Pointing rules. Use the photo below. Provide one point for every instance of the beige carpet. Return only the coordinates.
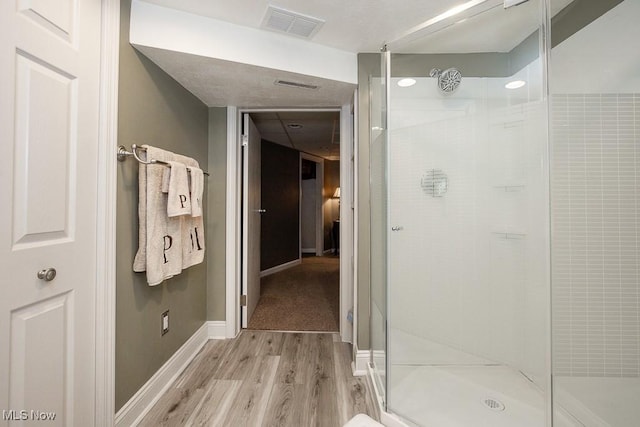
(301, 298)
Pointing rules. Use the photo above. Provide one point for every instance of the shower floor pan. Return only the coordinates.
(465, 396)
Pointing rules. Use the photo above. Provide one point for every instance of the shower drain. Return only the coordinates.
(493, 404)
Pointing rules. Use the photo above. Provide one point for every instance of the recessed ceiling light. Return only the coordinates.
(515, 84)
(406, 82)
(294, 126)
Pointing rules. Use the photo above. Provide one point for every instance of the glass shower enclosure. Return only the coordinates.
(504, 205)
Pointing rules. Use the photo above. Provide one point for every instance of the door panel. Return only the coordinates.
(45, 116)
(42, 328)
(49, 78)
(251, 217)
(57, 17)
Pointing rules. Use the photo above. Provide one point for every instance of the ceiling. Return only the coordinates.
(219, 83)
(353, 26)
(318, 134)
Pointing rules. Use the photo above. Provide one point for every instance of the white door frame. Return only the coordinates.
(233, 212)
(319, 161)
(105, 303)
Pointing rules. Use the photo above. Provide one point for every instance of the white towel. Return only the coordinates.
(179, 201)
(159, 237)
(197, 188)
(166, 245)
(193, 241)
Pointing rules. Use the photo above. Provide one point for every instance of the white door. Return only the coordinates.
(49, 77)
(251, 212)
(308, 215)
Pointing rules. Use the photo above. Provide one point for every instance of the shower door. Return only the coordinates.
(468, 235)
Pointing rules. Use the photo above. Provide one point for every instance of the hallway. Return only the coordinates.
(302, 298)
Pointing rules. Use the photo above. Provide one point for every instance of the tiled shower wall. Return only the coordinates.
(595, 241)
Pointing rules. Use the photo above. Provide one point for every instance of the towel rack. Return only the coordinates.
(123, 153)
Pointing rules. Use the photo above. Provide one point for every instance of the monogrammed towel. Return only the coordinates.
(165, 245)
(179, 200)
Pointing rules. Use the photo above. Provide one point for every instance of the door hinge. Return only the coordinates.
(245, 140)
(243, 300)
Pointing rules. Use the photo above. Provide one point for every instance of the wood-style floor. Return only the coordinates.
(264, 378)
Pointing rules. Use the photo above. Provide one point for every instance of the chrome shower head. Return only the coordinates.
(448, 80)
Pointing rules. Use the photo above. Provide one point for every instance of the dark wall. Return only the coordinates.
(155, 110)
(280, 227)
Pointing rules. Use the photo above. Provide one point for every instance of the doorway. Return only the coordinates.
(325, 236)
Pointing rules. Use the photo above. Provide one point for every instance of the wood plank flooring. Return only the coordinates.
(265, 378)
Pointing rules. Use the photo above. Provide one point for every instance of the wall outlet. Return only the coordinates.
(165, 322)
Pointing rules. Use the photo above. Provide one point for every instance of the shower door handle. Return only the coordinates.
(397, 228)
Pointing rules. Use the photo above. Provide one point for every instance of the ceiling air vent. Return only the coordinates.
(295, 24)
(296, 84)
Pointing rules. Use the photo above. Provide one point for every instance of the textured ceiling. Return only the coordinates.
(366, 25)
(319, 133)
(219, 83)
(354, 25)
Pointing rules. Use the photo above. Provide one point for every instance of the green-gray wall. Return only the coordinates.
(368, 66)
(216, 214)
(155, 110)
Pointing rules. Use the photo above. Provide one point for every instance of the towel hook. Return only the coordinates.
(123, 153)
(134, 149)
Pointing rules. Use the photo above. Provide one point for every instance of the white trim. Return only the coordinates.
(280, 267)
(234, 257)
(361, 363)
(105, 292)
(243, 195)
(232, 229)
(356, 141)
(308, 251)
(216, 329)
(139, 405)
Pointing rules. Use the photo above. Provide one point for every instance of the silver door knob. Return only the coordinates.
(47, 274)
(397, 228)
(262, 211)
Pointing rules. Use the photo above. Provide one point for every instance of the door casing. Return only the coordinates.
(234, 216)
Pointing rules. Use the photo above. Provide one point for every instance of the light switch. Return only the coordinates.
(165, 322)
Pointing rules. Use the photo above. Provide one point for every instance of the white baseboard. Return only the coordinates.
(360, 366)
(308, 250)
(137, 407)
(216, 329)
(280, 267)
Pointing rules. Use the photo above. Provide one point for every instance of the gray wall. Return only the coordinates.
(368, 66)
(216, 218)
(280, 227)
(153, 109)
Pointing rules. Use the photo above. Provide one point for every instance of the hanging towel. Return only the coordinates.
(159, 237)
(193, 240)
(179, 201)
(166, 245)
(197, 188)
